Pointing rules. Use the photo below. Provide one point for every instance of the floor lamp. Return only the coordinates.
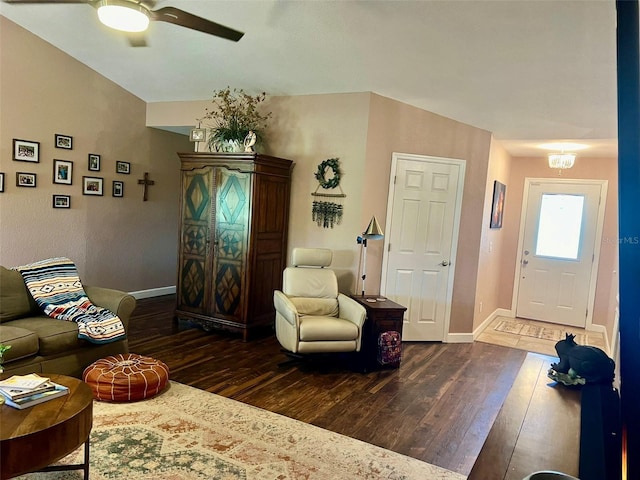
(372, 232)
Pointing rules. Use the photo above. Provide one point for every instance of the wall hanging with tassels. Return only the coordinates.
(328, 213)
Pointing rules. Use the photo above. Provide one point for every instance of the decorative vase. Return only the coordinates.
(229, 146)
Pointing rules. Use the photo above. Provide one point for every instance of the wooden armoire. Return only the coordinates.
(234, 213)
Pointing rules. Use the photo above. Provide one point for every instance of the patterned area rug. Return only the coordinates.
(189, 434)
(547, 333)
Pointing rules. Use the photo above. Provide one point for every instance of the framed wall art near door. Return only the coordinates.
(24, 179)
(62, 172)
(497, 207)
(61, 201)
(26, 151)
(92, 186)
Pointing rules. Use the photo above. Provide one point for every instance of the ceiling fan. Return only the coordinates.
(133, 16)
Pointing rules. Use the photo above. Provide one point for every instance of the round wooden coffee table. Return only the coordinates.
(34, 438)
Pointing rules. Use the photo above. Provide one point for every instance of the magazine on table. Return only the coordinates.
(37, 398)
(17, 393)
(24, 382)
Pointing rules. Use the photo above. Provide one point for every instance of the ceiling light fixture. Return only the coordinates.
(123, 15)
(561, 160)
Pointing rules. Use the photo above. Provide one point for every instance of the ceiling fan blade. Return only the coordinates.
(188, 20)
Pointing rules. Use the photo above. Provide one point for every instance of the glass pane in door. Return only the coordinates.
(560, 226)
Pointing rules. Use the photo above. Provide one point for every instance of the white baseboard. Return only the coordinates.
(459, 338)
(498, 312)
(154, 292)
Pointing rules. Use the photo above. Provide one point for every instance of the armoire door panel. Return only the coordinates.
(192, 291)
(232, 213)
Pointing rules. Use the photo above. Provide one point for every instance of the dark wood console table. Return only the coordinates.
(382, 316)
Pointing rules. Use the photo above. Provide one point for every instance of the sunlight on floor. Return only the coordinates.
(532, 344)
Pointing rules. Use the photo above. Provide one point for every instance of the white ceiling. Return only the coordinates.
(528, 71)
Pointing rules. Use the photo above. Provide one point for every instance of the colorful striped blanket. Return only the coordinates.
(56, 288)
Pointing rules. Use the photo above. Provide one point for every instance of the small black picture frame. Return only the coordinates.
(118, 188)
(123, 167)
(26, 151)
(497, 206)
(93, 164)
(25, 179)
(92, 186)
(63, 172)
(61, 201)
(64, 141)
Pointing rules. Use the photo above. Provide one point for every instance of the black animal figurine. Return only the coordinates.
(587, 362)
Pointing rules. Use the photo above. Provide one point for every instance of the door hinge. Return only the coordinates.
(389, 248)
(586, 313)
(395, 177)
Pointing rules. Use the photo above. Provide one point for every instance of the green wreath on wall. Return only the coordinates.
(334, 165)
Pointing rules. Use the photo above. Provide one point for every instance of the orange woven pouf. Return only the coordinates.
(126, 377)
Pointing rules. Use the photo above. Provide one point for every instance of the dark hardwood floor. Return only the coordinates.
(439, 406)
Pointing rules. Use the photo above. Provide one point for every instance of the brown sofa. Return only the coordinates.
(43, 344)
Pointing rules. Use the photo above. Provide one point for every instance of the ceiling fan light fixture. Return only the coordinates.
(561, 160)
(123, 15)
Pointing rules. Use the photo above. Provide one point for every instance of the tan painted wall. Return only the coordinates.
(310, 129)
(492, 248)
(585, 168)
(122, 243)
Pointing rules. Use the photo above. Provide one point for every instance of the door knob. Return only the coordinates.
(525, 262)
(444, 263)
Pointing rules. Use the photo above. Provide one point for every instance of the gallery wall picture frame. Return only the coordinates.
(63, 172)
(497, 206)
(61, 201)
(118, 188)
(25, 179)
(123, 167)
(1, 181)
(64, 141)
(92, 185)
(26, 150)
(94, 162)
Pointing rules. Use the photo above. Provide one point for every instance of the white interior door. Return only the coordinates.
(421, 238)
(558, 267)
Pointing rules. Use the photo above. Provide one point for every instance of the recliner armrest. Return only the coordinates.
(351, 310)
(285, 307)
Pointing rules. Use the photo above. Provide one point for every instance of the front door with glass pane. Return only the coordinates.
(558, 250)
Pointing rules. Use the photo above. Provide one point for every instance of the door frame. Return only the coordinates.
(462, 164)
(604, 185)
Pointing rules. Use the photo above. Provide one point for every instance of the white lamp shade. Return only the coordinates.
(123, 15)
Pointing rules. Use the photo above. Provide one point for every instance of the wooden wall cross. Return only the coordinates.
(146, 182)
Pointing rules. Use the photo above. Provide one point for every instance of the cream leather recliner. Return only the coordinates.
(311, 316)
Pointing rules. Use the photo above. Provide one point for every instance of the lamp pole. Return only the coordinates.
(364, 263)
(372, 232)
